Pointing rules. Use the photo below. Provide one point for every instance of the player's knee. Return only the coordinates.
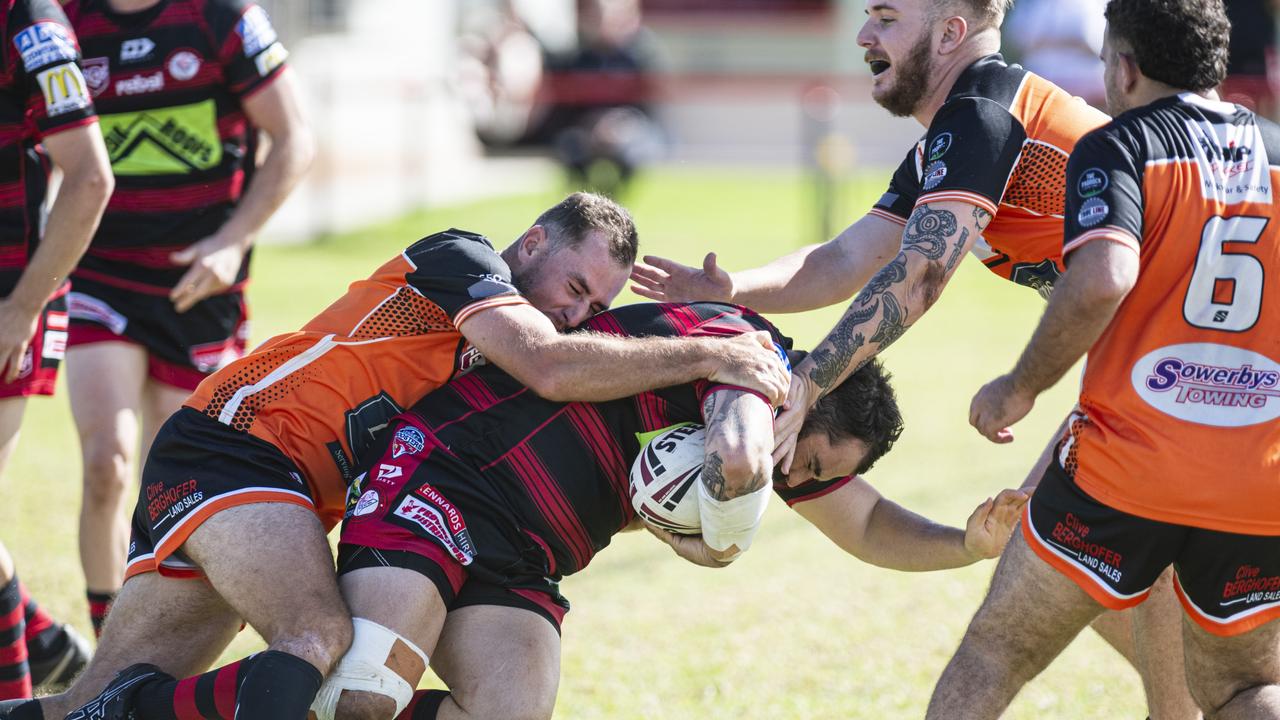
(496, 701)
(320, 640)
(1233, 701)
(355, 705)
(106, 471)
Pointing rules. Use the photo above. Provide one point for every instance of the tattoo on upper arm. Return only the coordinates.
(844, 341)
(892, 325)
(928, 230)
(959, 251)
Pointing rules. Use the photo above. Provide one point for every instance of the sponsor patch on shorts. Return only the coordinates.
(429, 510)
(91, 309)
(408, 440)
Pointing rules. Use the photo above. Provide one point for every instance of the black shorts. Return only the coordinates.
(1228, 583)
(419, 508)
(197, 467)
(183, 348)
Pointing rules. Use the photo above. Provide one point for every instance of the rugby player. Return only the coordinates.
(46, 120)
(243, 482)
(483, 495)
(1173, 457)
(987, 179)
(183, 88)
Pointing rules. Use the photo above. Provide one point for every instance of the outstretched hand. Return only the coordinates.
(998, 405)
(991, 524)
(668, 281)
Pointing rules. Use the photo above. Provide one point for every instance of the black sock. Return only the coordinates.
(270, 684)
(424, 706)
(28, 711)
(99, 606)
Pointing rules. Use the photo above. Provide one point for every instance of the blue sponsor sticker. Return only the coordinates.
(940, 146)
(44, 43)
(934, 175)
(255, 31)
(1092, 183)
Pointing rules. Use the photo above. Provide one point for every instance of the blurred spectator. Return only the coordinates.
(592, 105)
(1060, 41)
(1251, 76)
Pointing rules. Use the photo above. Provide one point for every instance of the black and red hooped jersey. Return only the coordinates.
(42, 92)
(1181, 396)
(562, 469)
(168, 83)
(1000, 143)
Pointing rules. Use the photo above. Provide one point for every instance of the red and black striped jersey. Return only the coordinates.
(169, 83)
(561, 469)
(1000, 142)
(42, 92)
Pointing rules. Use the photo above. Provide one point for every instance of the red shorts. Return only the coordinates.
(39, 371)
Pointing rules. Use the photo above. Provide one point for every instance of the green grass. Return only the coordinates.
(795, 629)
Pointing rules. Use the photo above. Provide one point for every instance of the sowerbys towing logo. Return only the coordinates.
(1210, 384)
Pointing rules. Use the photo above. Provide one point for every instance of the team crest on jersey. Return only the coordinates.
(1093, 212)
(408, 440)
(97, 74)
(367, 503)
(1093, 182)
(940, 146)
(183, 65)
(44, 43)
(1210, 384)
(934, 175)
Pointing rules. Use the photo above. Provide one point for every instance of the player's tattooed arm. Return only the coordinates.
(935, 239)
(739, 438)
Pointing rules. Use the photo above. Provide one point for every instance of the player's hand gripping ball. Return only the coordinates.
(664, 479)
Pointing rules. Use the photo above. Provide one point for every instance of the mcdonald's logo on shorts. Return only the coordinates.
(64, 89)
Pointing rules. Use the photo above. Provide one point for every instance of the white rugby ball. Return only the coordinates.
(664, 479)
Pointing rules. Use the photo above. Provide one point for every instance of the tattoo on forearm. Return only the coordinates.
(888, 276)
(959, 250)
(927, 231)
(709, 404)
(713, 476)
(892, 325)
(832, 357)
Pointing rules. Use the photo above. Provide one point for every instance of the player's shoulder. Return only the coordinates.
(453, 249)
(244, 17)
(39, 32)
(988, 85)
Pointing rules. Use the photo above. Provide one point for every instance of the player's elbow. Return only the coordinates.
(551, 381)
(95, 182)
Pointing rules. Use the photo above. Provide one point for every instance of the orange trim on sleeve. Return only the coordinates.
(886, 215)
(1090, 584)
(958, 196)
(1109, 233)
(465, 313)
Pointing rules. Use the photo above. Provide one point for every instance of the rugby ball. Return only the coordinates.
(664, 479)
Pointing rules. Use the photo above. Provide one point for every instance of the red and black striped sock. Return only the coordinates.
(99, 606)
(15, 676)
(279, 685)
(424, 706)
(41, 633)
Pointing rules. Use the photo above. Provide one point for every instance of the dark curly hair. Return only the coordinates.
(1181, 43)
(863, 407)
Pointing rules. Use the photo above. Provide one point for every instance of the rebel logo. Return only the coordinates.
(1210, 384)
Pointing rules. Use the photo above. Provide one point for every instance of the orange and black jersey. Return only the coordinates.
(319, 394)
(1000, 142)
(168, 83)
(1181, 395)
(42, 92)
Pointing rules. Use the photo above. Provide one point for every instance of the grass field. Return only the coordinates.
(795, 629)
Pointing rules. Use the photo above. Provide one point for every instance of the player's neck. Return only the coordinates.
(949, 71)
(132, 6)
(1150, 91)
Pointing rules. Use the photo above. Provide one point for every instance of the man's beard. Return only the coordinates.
(912, 81)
